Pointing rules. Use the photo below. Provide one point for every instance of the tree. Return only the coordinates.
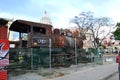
(83, 22)
(117, 32)
(86, 21)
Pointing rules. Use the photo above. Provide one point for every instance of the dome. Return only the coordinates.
(45, 19)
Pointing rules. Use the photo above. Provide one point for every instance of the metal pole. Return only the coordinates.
(50, 54)
(32, 58)
(20, 39)
(76, 55)
(8, 36)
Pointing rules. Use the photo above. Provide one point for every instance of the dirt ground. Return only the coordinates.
(46, 73)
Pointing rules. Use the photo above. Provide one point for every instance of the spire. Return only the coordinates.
(45, 12)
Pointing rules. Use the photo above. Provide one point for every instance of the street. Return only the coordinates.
(113, 77)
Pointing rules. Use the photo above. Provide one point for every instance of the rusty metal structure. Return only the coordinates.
(38, 35)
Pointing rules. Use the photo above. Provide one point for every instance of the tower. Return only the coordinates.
(45, 19)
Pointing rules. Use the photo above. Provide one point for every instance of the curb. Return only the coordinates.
(107, 77)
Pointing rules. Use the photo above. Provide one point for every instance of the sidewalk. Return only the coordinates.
(92, 73)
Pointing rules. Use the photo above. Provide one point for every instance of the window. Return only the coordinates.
(39, 30)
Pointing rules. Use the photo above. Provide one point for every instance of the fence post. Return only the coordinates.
(50, 53)
(32, 58)
(76, 55)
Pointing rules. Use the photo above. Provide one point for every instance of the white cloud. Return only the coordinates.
(61, 12)
(16, 16)
(63, 18)
(88, 7)
(115, 15)
(111, 9)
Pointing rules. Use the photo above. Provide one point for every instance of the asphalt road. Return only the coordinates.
(113, 77)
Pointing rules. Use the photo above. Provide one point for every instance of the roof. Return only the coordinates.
(3, 21)
(24, 26)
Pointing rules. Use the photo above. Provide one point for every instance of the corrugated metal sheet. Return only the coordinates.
(3, 32)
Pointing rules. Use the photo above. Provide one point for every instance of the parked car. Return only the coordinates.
(115, 51)
(106, 50)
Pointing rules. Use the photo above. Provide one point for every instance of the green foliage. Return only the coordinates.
(117, 32)
(94, 51)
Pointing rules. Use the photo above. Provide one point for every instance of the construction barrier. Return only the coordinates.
(3, 74)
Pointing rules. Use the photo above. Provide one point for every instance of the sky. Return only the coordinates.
(59, 11)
